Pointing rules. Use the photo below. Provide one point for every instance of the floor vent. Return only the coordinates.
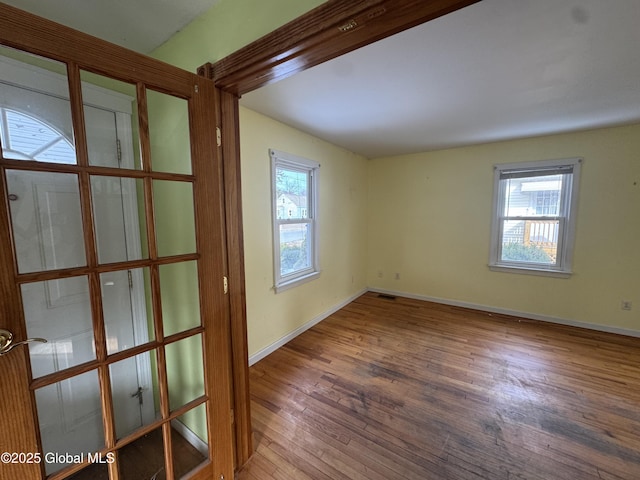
(386, 296)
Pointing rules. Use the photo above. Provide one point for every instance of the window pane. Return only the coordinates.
(117, 218)
(70, 417)
(531, 196)
(185, 374)
(143, 458)
(292, 190)
(295, 252)
(530, 241)
(35, 117)
(175, 218)
(60, 312)
(46, 220)
(169, 133)
(134, 392)
(189, 440)
(180, 301)
(124, 307)
(110, 116)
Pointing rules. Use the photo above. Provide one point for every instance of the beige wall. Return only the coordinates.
(426, 217)
(342, 227)
(429, 219)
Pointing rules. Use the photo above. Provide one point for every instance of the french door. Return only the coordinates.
(112, 263)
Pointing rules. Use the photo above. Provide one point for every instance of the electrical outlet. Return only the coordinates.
(380, 274)
(625, 305)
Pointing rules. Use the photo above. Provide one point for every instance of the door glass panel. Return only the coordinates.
(124, 308)
(175, 220)
(95, 471)
(110, 115)
(35, 112)
(169, 133)
(134, 390)
(46, 220)
(189, 441)
(70, 418)
(60, 312)
(143, 458)
(117, 218)
(185, 374)
(180, 302)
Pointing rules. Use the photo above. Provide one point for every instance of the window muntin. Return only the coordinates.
(534, 216)
(294, 191)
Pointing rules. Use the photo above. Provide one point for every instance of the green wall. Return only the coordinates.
(228, 26)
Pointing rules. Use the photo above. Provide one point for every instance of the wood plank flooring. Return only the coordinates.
(405, 389)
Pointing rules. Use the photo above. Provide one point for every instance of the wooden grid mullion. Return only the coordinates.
(143, 126)
(38, 166)
(141, 432)
(163, 390)
(168, 450)
(111, 359)
(105, 268)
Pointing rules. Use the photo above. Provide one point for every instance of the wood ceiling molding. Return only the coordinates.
(326, 32)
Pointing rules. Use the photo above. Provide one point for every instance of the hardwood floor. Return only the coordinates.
(405, 389)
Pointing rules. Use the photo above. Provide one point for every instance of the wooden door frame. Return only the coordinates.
(334, 28)
(33, 34)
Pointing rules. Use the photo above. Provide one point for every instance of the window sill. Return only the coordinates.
(530, 271)
(281, 287)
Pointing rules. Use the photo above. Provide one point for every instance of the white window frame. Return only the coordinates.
(566, 216)
(283, 159)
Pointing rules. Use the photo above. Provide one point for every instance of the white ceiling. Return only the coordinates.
(496, 70)
(140, 25)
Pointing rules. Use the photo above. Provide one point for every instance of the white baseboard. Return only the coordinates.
(515, 313)
(290, 336)
(190, 437)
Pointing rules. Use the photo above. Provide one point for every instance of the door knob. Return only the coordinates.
(6, 341)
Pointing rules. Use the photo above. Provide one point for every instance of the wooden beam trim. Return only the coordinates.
(326, 32)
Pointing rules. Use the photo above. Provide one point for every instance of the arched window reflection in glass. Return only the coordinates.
(25, 137)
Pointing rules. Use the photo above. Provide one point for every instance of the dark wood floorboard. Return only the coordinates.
(406, 389)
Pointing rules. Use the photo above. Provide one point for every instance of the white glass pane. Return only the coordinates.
(46, 220)
(292, 192)
(35, 117)
(530, 241)
(70, 418)
(295, 248)
(117, 218)
(134, 392)
(110, 110)
(124, 307)
(60, 312)
(533, 196)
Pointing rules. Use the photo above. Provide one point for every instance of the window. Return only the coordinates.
(294, 189)
(534, 216)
